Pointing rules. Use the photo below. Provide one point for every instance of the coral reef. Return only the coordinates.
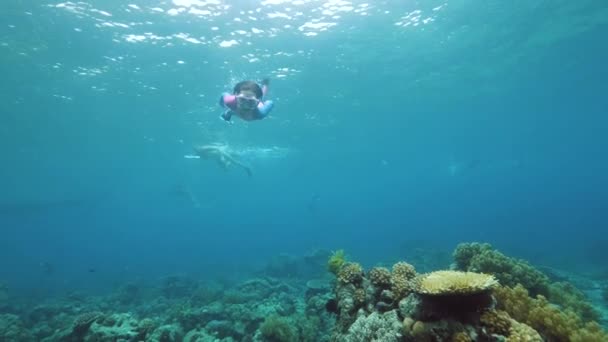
(520, 332)
(380, 277)
(13, 329)
(477, 257)
(402, 278)
(346, 304)
(568, 296)
(277, 329)
(496, 322)
(439, 306)
(481, 257)
(350, 273)
(83, 322)
(455, 305)
(265, 306)
(385, 327)
(552, 323)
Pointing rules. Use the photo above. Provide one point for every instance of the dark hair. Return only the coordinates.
(249, 86)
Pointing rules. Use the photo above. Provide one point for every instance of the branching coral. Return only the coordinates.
(402, 279)
(591, 332)
(568, 296)
(404, 270)
(380, 277)
(551, 322)
(375, 327)
(465, 252)
(475, 257)
(510, 272)
(519, 332)
(277, 329)
(496, 322)
(350, 273)
(359, 297)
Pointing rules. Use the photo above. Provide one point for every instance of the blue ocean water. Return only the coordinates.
(397, 125)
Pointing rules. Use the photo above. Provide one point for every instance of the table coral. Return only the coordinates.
(455, 282)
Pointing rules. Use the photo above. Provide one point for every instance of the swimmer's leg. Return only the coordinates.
(248, 170)
(224, 162)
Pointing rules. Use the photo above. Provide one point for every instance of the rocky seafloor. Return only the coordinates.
(483, 295)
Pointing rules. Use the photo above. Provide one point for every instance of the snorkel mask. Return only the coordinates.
(246, 101)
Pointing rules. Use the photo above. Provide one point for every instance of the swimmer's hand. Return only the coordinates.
(226, 116)
(266, 81)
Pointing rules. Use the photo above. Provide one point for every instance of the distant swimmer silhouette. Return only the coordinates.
(220, 154)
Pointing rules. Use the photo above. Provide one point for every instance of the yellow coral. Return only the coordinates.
(455, 282)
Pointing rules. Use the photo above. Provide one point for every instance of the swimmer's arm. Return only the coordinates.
(228, 101)
(264, 108)
(265, 83)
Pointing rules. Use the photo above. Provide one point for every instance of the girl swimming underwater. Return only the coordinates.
(247, 101)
